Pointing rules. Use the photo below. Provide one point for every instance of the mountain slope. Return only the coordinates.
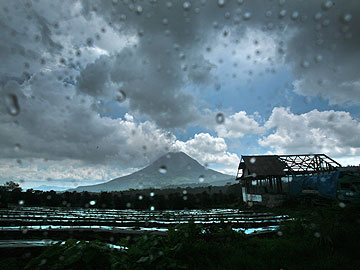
(172, 169)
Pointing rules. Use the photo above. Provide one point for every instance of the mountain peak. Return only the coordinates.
(175, 161)
(173, 168)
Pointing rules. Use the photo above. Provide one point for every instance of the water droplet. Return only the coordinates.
(247, 15)
(12, 104)
(152, 208)
(152, 194)
(221, 3)
(326, 22)
(201, 178)
(89, 41)
(182, 55)
(121, 96)
(318, 16)
(220, 118)
(17, 147)
(186, 5)
(254, 182)
(327, 5)
(279, 233)
(184, 198)
(253, 175)
(139, 10)
(318, 58)
(21, 202)
(347, 17)
(268, 13)
(342, 205)
(282, 13)
(163, 169)
(305, 64)
(92, 202)
(165, 21)
(295, 15)
(184, 192)
(128, 205)
(253, 160)
(317, 234)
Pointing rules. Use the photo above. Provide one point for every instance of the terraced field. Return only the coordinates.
(29, 219)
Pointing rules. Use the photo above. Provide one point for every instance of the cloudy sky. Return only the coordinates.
(96, 89)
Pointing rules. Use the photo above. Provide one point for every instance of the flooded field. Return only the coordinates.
(27, 219)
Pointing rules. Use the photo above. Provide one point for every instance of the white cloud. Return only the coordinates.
(238, 125)
(64, 173)
(208, 149)
(334, 133)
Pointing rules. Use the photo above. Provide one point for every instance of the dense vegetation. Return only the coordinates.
(322, 237)
(325, 236)
(180, 198)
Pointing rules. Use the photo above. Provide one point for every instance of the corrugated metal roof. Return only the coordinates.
(264, 166)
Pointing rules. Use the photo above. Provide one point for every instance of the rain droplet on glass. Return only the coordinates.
(282, 13)
(201, 178)
(253, 160)
(347, 17)
(220, 118)
(21, 202)
(247, 15)
(318, 58)
(221, 3)
(163, 169)
(121, 96)
(152, 194)
(92, 202)
(186, 5)
(305, 64)
(152, 208)
(139, 10)
(327, 5)
(295, 15)
(17, 147)
(12, 104)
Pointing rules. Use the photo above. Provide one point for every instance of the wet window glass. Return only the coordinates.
(132, 128)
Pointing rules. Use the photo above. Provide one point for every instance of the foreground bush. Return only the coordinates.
(319, 238)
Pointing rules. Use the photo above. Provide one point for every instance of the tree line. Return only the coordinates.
(11, 194)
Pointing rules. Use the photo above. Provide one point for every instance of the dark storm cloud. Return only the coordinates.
(318, 39)
(164, 60)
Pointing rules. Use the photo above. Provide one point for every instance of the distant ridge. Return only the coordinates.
(172, 169)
